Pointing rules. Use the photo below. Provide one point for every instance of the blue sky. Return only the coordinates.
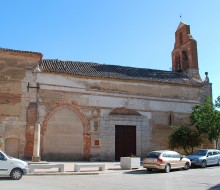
(136, 33)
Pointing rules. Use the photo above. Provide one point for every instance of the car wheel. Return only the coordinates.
(204, 164)
(186, 166)
(16, 174)
(167, 168)
(149, 169)
(218, 163)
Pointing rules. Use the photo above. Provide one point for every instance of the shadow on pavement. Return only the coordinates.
(114, 169)
(199, 167)
(153, 172)
(136, 172)
(5, 178)
(216, 187)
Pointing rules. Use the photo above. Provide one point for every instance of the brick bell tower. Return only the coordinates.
(184, 54)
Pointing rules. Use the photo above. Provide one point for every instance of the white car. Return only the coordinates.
(12, 167)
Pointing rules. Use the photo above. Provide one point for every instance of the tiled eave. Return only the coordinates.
(20, 51)
(94, 70)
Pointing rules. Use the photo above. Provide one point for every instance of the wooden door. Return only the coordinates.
(125, 141)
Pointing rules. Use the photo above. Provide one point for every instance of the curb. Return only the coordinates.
(60, 173)
(83, 173)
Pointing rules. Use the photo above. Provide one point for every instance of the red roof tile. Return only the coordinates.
(115, 72)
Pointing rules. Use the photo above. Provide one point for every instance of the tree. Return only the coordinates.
(217, 102)
(185, 138)
(206, 118)
(1, 143)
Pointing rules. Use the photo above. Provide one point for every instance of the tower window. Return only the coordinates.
(184, 60)
(177, 63)
(181, 38)
(177, 60)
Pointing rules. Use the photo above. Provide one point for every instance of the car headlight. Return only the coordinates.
(196, 160)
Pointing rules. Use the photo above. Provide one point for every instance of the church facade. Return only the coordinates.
(67, 110)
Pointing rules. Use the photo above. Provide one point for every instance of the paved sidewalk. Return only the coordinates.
(110, 167)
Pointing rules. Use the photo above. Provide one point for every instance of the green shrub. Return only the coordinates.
(1, 142)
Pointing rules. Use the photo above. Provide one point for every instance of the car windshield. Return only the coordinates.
(153, 155)
(7, 155)
(200, 152)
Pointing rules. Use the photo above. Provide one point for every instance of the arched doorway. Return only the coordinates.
(63, 138)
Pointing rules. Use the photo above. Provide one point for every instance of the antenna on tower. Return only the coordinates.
(180, 17)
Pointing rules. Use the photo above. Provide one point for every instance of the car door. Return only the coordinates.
(210, 159)
(215, 156)
(218, 156)
(4, 164)
(181, 161)
(176, 161)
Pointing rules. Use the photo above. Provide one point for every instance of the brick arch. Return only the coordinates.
(124, 111)
(85, 123)
(74, 108)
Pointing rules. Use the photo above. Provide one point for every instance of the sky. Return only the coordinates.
(136, 33)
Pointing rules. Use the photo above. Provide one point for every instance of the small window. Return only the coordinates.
(176, 155)
(2, 157)
(184, 55)
(181, 38)
(153, 155)
(209, 154)
(177, 59)
(215, 152)
(200, 152)
(166, 155)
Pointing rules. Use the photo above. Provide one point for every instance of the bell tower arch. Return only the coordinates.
(184, 54)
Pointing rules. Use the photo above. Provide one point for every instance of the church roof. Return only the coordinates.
(18, 51)
(88, 69)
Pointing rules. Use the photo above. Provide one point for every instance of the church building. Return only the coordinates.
(67, 110)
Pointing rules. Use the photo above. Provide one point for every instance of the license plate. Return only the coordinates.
(150, 160)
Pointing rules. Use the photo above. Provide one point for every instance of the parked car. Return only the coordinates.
(205, 157)
(165, 160)
(12, 167)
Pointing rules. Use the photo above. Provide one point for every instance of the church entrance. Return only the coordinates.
(125, 141)
(63, 139)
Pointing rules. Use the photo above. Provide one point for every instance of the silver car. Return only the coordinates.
(165, 160)
(205, 157)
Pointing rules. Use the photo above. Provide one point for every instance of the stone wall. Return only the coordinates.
(159, 104)
(16, 71)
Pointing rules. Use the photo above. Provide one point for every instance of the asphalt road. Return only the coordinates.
(193, 179)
